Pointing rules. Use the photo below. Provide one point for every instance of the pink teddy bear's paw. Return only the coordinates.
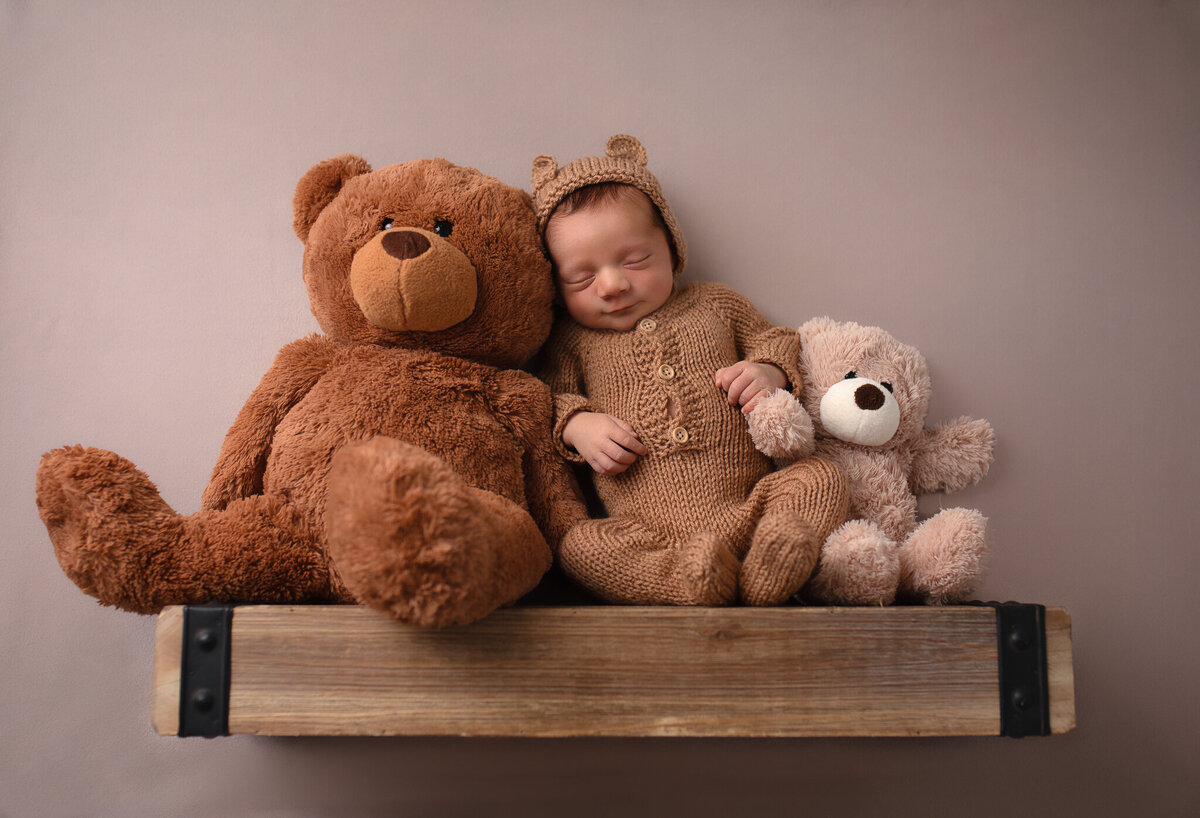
(781, 428)
(859, 565)
(943, 560)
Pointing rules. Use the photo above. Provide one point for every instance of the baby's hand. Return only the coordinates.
(608, 444)
(746, 382)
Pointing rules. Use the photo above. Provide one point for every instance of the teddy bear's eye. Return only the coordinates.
(443, 228)
(886, 386)
(386, 224)
(851, 375)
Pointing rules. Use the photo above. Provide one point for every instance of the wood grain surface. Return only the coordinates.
(617, 671)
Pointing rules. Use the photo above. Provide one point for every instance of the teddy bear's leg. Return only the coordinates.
(623, 560)
(797, 508)
(859, 565)
(942, 561)
(117, 539)
(408, 536)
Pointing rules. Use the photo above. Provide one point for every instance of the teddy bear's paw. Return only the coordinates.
(780, 427)
(943, 560)
(105, 519)
(859, 565)
(408, 536)
(783, 552)
(709, 570)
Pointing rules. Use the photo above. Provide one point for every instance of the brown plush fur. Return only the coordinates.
(882, 552)
(401, 468)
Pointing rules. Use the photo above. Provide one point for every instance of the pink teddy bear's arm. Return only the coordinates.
(243, 459)
(781, 428)
(952, 456)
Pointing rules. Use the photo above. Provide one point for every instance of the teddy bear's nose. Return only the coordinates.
(869, 397)
(403, 244)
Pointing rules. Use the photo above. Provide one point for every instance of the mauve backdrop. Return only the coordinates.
(1013, 187)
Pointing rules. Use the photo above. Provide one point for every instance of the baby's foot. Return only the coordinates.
(782, 555)
(709, 569)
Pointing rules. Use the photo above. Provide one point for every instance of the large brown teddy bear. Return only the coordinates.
(867, 395)
(399, 460)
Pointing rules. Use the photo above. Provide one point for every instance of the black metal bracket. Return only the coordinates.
(1024, 678)
(204, 670)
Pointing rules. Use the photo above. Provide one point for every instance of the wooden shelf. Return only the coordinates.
(613, 671)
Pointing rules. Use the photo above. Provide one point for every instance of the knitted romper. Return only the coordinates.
(703, 518)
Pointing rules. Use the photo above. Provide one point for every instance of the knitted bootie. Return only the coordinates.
(621, 560)
(783, 552)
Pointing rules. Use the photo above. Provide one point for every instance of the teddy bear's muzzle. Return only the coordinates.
(859, 410)
(409, 279)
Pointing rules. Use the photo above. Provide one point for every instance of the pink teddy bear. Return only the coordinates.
(867, 395)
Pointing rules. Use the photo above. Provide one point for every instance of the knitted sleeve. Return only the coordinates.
(561, 367)
(756, 339)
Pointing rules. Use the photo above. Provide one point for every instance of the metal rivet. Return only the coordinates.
(207, 639)
(203, 700)
(1019, 640)
(1021, 699)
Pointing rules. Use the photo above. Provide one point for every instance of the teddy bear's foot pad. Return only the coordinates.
(408, 536)
(943, 560)
(104, 517)
(859, 565)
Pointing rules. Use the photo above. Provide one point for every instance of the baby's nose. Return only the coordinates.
(612, 281)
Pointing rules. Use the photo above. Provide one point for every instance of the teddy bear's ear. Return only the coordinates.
(320, 186)
(624, 146)
(544, 170)
(814, 327)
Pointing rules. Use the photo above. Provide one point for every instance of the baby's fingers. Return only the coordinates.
(619, 453)
(602, 463)
(743, 388)
(624, 436)
(749, 405)
(726, 375)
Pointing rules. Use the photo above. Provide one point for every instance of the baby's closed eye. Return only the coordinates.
(576, 278)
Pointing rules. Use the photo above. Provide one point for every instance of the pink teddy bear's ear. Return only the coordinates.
(812, 328)
(781, 428)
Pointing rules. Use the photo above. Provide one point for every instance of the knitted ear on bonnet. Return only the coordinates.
(625, 162)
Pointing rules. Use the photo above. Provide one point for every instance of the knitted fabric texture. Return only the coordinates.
(702, 486)
(624, 162)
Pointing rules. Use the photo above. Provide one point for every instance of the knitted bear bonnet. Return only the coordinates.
(624, 162)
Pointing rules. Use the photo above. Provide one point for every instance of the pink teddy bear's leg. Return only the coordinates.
(942, 561)
(859, 565)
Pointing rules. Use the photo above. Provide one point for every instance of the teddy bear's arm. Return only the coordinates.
(781, 428)
(952, 456)
(239, 469)
(524, 404)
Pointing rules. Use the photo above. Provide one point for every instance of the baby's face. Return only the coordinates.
(612, 262)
